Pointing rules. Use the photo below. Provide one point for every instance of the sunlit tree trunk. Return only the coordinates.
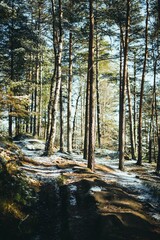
(38, 77)
(139, 162)
(120, 83)
(91, 147)
(40, 100)
(51, 139)
(52, 87)
(31, 110)
(158, 160)
(35, 119)
(61, 121)
(97, 90)
(135, 105)
(86, 132)
(69, 128)
(130, 119)
(82, 117)
(39, 73)
(97, 82)
(28, 76)
(45, 123)
(155, 96)
(151, 135)
(74, 118)
(123, 95)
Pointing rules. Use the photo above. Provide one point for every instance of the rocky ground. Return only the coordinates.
(63, 200)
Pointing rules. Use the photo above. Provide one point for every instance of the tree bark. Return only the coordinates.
(139, 162)
(123, 95)
(39, 77)
(120, 83)
(49, 150)
(131, 120)
(153, 114)
(158, 13)
(69, 128)
(52, 87)
(155, 96)
(35, 119)
(97, 82)
(61, 121)
(74, 119)
(10, 118)
(82, 117)
(158, 160)
(86, 134)
(150, 141)
(97, 90)
(135, 106)
(91, 148)
(40, 100)
(31, 117)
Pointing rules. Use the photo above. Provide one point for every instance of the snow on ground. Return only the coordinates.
(130, 180)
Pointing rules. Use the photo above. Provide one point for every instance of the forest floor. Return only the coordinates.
(74, 203)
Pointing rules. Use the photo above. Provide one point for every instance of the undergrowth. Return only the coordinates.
(17, 196)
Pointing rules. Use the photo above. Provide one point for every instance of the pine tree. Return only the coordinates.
(91, 148)
(50, 142)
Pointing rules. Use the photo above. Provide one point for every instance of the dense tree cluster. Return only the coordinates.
(69, 67)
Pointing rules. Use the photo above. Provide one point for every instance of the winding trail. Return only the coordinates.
(139, 181)
(86, 199)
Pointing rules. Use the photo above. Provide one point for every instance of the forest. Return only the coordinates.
(79, 119)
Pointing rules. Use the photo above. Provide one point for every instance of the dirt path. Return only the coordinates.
(87, 206)
(75, 203)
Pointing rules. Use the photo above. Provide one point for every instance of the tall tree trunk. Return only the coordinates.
(10, 118)
(45, 124)
(40, 100)
(151, 136)
(51, 139)
(135, 105)
(158, 13)
(158, 160)
(120, 83)
(155, 96)
(39, 76)
(91, 147)
(74, 118)
(123, 96)
(52, 87)
(97, 90)
(139, 162)
(153, 130)
(51, 100)
(131, 120)
(97, 81)
(82, 117)
(35, 122)
(69, 128)
(86, 132)
(31, 117)
(61, 121)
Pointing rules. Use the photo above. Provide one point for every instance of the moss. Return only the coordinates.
(18, 197)
(61, 180)
(17, 201)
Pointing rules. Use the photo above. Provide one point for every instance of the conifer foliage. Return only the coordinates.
(82, 75)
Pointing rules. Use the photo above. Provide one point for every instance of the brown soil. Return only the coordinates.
(96, 209)
(79, 205)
